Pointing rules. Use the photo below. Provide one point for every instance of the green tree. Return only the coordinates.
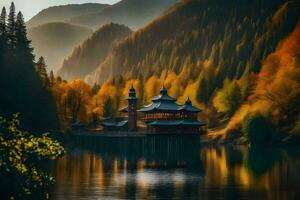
(228, 99)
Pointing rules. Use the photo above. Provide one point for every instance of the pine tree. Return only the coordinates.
(3, 37)
(108, 108)
(42, 71)
(24, 52)
(202, 93)
(22, 90)
(11, 28)
(51, 79)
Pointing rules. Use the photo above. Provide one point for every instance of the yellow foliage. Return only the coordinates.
(152, 87)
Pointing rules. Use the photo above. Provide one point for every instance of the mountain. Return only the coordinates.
(132, 13)
(55, 41)
(200, 38)
(64, 13)
(86, 57)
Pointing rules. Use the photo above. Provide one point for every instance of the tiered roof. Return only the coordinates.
(165, 103)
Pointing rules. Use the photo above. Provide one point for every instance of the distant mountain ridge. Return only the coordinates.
(56, 40)
(64, 13)
(86, 57)
(132, 13)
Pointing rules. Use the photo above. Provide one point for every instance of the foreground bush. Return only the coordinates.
(21, 158)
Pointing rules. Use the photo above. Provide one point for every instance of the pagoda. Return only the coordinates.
(164, 115)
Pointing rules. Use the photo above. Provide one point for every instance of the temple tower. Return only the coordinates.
(132, 109)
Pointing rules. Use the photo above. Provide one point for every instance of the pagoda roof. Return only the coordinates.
(114, 122)
(189, 107)
(166, 105)
(124, 110)
(175, 123)
(161, 105)
(163, 96)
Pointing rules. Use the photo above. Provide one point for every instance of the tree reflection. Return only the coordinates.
(260, 160)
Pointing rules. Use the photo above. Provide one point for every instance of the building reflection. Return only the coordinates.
(174, 169)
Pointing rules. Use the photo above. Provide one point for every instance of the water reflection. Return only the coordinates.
(174, 168)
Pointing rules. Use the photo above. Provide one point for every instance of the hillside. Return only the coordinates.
(55, 41)
(132, 13)
(64, 13)
(202, 39)
(276, 95)
(86, 57)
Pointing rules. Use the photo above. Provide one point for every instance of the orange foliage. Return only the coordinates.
(277, 92)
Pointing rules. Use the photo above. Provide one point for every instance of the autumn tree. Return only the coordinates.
(78, 95)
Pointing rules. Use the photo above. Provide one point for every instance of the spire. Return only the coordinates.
(163, 90)
(132, 93)
(188, 101)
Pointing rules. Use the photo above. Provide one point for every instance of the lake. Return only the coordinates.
(165, 167)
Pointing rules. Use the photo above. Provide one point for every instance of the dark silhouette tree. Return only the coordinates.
(3, 37)
(51, 79)
(11, 28)
(42, 71)
(22, 90)
(202, 93)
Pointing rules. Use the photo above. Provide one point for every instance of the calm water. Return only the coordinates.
(174, 168)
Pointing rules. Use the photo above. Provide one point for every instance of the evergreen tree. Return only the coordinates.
(51, 79)
(3, 37)
(108, 108)
(3, 52)
(42, 71)
(11, 28)
(202, 93)
(24, 52)
(96, 88)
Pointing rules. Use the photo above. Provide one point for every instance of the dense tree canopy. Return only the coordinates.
(21, 88)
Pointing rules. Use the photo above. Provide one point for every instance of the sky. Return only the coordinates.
(29, 8)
